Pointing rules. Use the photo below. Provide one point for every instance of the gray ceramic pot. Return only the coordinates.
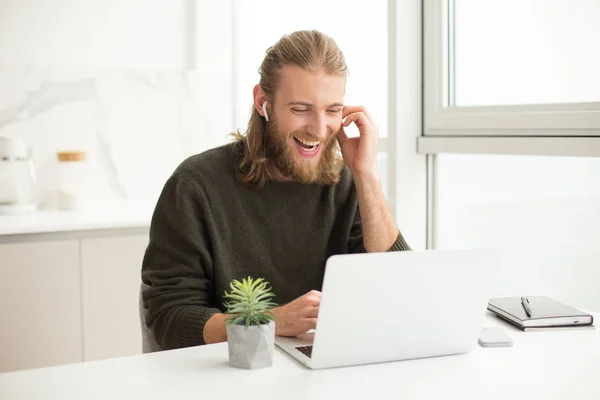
(251, 347)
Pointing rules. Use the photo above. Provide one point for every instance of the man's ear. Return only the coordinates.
(259, 99)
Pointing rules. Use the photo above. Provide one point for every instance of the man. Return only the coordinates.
(275, 204)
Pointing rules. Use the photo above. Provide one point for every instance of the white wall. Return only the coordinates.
(136, 125)
(213, 61)
(138, 84)
(146, 34)
(409, 168)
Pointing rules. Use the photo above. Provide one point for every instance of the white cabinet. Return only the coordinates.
(40, 304)
(110, 285)
(71, 300)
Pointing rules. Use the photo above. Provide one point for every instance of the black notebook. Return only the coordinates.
(545, 313)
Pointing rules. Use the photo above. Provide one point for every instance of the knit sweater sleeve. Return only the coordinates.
(356, 245)
(400, 244)
(177, 266)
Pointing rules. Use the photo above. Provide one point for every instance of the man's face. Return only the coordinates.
(305, 116)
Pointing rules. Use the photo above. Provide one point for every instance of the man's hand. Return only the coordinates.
(299, 316)
(360, 153)
(292, 319)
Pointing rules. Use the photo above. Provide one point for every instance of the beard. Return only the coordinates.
(323, 169)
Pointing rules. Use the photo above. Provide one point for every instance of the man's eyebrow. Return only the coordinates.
(302, 103)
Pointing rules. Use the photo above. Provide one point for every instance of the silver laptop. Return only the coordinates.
(380, 307)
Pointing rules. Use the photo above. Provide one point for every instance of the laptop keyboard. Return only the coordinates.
(306, 350)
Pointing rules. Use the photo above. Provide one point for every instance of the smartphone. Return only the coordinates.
(494, 337)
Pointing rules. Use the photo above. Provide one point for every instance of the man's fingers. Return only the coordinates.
(312, 312)
(313, 295)
(358, 117)
(341, 136)
(312, 300)
(347, 110)
(311, 323)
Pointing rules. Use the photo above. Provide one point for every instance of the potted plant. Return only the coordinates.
(251, 327)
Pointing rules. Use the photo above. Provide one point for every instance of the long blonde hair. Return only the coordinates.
(310, 50)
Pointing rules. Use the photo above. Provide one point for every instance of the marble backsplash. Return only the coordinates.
(136, 126)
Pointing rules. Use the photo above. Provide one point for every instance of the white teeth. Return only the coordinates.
(313, 143)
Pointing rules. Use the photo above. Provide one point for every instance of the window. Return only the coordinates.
(512, 89)
(544, 211)
(511, 68)
(526, 52)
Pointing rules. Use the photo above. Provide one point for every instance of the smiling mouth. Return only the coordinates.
(307, 145)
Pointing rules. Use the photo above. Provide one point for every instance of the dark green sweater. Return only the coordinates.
(208, 229)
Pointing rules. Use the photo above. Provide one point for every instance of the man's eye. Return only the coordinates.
(334, 111)
(299, 110)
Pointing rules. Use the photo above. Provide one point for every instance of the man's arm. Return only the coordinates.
(379, 230)
(215, 330)
(292, 319)
(378, 227)
(177, 268)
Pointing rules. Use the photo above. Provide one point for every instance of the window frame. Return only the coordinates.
(568, 129)
(526, 128)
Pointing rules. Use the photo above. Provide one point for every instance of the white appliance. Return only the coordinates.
(379, 307)
(17, 177)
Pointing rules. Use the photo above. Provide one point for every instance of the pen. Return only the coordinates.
(525, 304)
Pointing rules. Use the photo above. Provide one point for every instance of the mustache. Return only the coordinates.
(307, 137)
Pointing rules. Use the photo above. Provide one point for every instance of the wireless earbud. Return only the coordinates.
(264, 107)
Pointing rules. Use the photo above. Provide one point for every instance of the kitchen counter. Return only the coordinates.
(60, 266)
(51, 221)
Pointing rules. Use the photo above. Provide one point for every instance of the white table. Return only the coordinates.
(541, 365)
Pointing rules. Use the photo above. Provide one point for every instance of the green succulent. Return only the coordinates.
(249, 302)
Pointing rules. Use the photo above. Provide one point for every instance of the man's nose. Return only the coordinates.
(319, 127)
